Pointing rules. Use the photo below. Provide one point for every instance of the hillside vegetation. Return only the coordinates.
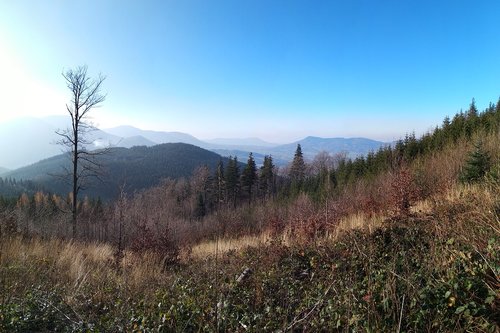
(405, 239)
(133, 169)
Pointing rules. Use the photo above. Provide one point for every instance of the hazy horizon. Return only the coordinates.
(278, 71)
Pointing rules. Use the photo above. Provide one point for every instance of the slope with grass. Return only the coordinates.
(437, 271)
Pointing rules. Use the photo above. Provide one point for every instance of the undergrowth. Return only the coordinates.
(436, 271)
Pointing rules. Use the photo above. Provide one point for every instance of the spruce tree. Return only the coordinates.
(219, 184)
(298, 167)
(232, 179)
(266, 178)
(249, 176)
(477, 165)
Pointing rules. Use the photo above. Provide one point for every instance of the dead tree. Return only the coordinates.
(85, 96)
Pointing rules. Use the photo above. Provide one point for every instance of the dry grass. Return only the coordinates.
(79, 266)
(422, 207)
(225, 245)
(469, 213)
(359, 221)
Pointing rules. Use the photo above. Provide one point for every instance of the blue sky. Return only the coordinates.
(278, 70)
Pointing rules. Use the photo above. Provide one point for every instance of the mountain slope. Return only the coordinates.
(136, 168)
(154, 136)
(134, 141)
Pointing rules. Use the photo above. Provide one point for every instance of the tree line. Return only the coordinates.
(346, 171)
(232, 185)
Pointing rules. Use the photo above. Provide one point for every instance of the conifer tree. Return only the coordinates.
(200, 209)
(266, 178)
(219, 184)
(298, 167)
(471, 119)
(249, 176)
(232, 179)
(477, 165)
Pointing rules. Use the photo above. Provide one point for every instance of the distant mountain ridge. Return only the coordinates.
(240, 148)
(241, 142)
(312, 145)
(19, 148)
(157, 137)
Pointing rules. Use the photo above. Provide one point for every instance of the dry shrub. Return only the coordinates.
(276, 226)
(8, 225)
(307, 222)
(160, 243)
(403, 192)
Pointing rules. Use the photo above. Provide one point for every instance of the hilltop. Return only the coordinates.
(136, 168)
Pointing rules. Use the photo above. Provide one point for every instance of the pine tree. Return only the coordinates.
(477, 165)
(249, 176)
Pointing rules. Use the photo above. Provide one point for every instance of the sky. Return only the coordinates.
(277, 70)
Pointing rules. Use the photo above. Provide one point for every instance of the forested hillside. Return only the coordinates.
(131, 168)
(406, 238)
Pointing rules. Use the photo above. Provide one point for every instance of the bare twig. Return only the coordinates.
(401, 314)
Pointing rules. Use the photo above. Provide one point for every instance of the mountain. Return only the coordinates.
(136, 167)
(312, 145)
(135, 141)
(27, 140)
(155, 136)
(256, 142)
(242, 156)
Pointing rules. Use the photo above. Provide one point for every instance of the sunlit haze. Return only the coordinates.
(277, 70)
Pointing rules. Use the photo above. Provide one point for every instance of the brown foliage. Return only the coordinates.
(403, 191)
(161, 244)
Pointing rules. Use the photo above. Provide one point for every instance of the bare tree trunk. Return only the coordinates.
(86, 95)
(74, 202)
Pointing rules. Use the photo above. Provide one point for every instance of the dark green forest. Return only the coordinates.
(132, 169)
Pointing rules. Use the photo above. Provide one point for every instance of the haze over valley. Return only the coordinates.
(19, 149)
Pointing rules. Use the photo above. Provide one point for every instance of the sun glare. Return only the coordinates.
(21, 93)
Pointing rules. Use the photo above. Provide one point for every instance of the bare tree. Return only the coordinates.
(85, 96)
(322, 162)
